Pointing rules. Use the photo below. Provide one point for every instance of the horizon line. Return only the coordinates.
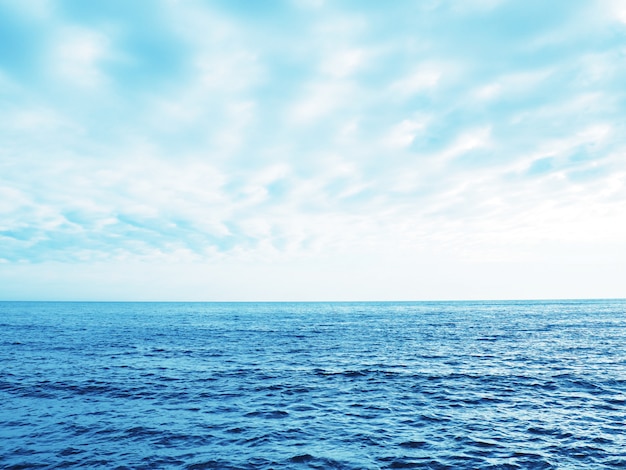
(573, 299)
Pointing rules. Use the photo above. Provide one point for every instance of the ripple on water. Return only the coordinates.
(347, 386)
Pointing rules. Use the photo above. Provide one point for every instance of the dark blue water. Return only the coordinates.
(313, 385)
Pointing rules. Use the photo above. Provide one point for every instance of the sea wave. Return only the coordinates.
(477, 385)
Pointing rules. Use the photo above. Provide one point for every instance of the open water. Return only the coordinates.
(436, 385)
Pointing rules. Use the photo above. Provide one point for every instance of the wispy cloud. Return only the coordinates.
(312, 134)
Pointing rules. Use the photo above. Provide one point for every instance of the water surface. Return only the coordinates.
(313, 385)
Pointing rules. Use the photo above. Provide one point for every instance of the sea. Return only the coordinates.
(389, 385)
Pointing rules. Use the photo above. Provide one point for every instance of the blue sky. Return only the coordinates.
(312, 150)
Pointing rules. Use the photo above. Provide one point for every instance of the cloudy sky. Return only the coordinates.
(312, 150)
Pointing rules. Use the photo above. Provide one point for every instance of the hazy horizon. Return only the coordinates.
(425, 301)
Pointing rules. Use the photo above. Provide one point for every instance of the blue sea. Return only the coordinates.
(433, 385)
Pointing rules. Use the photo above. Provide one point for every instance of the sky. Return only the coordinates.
(312, 149)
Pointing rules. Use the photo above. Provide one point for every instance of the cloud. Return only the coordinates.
(77, 55)
(312, 135)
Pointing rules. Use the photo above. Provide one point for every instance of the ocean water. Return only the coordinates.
(441, 385)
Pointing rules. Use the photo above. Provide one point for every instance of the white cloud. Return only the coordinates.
(615, 9)
(513, 84)
(38, 121)
(342, 63)
(231, 71)
(319, 99)
(344, 142)
(237, 120)
(424, 78)
(403, 134)
(77, 54)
